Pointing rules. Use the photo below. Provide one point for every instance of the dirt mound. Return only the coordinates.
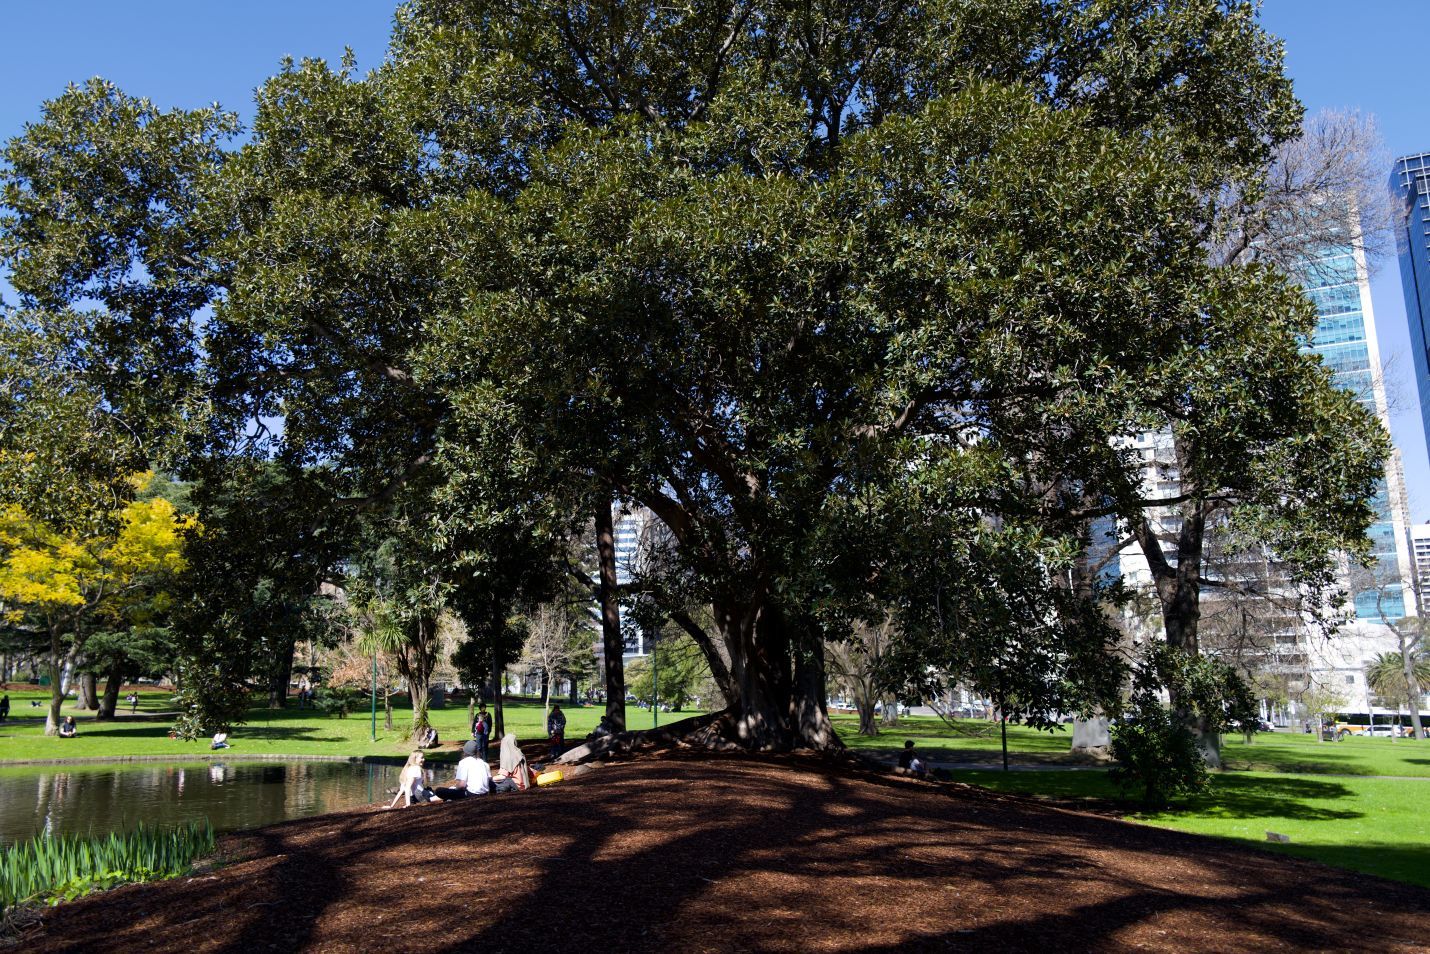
(735, 854)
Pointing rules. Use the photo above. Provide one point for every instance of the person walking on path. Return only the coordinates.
(473, 776)
(133, 700)
(556, 730)
(482, 731)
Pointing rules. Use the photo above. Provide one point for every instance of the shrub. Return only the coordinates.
(338, 700)
(209, 702)
(1156, 751)
(1157, 746)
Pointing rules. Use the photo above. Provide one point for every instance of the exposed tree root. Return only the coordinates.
(712, 732)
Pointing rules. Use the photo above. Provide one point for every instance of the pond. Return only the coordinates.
(98, 799)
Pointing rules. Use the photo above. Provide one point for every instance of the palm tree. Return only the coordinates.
(1386, 675)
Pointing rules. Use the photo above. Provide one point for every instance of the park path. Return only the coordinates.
(730, 854)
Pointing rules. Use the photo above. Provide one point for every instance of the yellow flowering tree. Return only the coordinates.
(65, 582)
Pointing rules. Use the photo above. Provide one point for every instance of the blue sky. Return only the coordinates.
(1359, 54)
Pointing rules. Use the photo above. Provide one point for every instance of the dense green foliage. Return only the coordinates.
(61, 869)
(857, 298)
(1155, 744)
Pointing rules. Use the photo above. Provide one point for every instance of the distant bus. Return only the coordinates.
(1348, 724)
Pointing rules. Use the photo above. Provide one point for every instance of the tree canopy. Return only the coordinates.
(856, 297)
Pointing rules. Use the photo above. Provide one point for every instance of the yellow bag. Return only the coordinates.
(549, 778)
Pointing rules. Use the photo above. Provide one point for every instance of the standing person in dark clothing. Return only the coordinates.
(5, 707)
(556, 730)
(482, 730)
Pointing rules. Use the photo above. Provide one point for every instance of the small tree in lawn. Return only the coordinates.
(556, 638)
(1322, 700)
(858, 667)
(675, 672)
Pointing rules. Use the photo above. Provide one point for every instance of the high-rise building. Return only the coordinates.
(635, 528)
(1410, 182)
(1420, 542)
(1339, 286)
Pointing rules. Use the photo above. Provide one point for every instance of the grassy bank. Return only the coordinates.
(269, 732)
(1375, 825)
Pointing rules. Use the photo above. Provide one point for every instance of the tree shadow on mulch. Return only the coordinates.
(742, 854)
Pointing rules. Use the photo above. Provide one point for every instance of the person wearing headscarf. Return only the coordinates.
(512, 773)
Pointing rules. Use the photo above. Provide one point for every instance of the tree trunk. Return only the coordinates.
(868, 724)
(113, 682)
(387, 710)
(612, 643)
(572, 697)
(498, 712)
(415, 661)
(57, 692)
(1412, 690)
(88, 692)
(809, 710)
(494, 697)
(281, 675)
(1179, 593)
(891, 711)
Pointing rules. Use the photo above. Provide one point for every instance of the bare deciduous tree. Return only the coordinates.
(855, 667)
(1325, 189)
(558, 641)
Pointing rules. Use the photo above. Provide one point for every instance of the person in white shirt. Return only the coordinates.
(473, 776)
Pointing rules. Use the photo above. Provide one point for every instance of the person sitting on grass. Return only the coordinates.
(428, 738)
(68, 730)
(513, 775)
(473, 776)
(411, 784)
(909, 759)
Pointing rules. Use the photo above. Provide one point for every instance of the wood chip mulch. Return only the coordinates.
(729, 854)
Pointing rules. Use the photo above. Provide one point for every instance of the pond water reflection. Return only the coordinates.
(98, 799)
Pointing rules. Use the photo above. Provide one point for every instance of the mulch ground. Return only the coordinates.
(729, 854)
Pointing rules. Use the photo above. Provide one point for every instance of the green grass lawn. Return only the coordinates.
(289, 731)
(1374, 825)
(975, 740)
(968, 740)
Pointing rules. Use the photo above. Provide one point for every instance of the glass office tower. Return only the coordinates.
(1410, 182)
(1339, 285)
